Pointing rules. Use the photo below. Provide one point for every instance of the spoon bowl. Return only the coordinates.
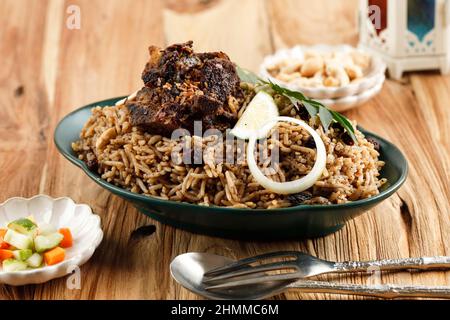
(188, 270)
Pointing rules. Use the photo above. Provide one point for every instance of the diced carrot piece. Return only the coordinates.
(3, 244)
(5, 254)
(67, 241)
(54, 256)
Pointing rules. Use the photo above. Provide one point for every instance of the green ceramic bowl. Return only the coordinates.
(303, 221)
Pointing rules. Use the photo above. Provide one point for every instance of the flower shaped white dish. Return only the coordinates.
(349, 102)
(371, 78)
(61, 213)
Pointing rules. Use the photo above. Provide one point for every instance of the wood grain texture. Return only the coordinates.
(49, 70)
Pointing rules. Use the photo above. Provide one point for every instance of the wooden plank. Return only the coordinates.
(239, 28)
(313, 22)
(24, 106)
(23, 99)
(104, 59)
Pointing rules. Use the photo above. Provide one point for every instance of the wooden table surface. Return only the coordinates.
(48, 70)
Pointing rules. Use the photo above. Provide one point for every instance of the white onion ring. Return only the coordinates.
(292, 186)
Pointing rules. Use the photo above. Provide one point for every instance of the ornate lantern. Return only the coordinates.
(408, 34)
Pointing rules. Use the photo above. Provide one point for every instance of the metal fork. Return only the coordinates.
(303, 265)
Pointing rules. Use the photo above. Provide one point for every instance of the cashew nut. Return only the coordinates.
(353, 71)
(312, 66)
(361, 60)
(331, 82)
(337, 72)
(315, 69)
(292, 67)
(288, 77)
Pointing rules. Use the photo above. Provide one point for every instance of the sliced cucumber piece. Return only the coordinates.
(11, 265)
(24, 226)
(18, 240)
(35, 261)
(44, 243)
(22, 255)
(46, 228)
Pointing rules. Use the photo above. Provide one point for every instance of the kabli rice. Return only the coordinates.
(142, 163)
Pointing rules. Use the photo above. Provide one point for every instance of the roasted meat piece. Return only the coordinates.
(182, 87)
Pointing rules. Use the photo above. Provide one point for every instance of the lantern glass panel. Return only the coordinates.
(421, 17)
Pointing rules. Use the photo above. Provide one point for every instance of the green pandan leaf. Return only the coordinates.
(312, 110)
(313, 107)
(248, 76)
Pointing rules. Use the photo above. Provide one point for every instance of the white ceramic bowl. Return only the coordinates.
(371, 78)
(61, 212)
(350, 102)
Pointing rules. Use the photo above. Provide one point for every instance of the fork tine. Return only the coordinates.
(240, 263)
(250, 281)
(246, 270)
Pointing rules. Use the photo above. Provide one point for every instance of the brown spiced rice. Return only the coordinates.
(142, 163)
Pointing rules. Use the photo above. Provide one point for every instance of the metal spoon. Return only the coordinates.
(189, 269)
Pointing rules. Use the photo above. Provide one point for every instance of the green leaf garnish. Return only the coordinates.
(345, 123)
(248, 76)
(310, 108)
(314, 108)
(326, 117)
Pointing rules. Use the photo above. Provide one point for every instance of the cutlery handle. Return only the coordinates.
(393, 264)
(387, 291)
